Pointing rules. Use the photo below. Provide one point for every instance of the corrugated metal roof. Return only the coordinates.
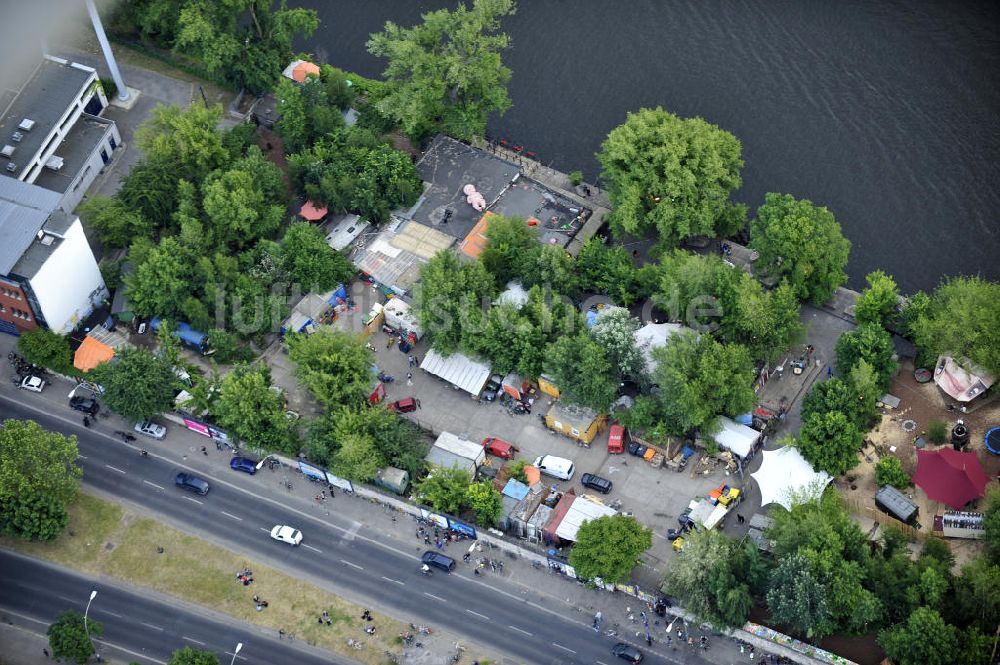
(582, 510)
(458, 370)
(24, 209)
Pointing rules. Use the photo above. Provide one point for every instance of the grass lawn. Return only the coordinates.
(104, 539)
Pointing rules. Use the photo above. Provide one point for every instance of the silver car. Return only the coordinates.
(151, 429)
(33, 383)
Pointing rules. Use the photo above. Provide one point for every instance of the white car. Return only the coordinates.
(151, 429)
(287, 534)
(33, 383)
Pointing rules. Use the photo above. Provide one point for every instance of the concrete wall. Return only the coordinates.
(70, 283)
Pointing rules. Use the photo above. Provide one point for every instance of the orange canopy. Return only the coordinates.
(311, 213)
(304, 69)
(475, 242)
(532, 474)
(91, 354)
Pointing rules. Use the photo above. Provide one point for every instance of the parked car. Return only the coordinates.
(602, 485)
(557, 467)
(405, 405)
(191, 483)
(627, 652)
(616, 439)
(636, 449)
(151, 429)
(492, 388)
(33, 383)
(287, 534)
(499, 448)
(87, 405)
(438, 560)
(244, 464)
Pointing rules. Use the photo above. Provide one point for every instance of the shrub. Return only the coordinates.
(575, 177)
(889, 471)
(937, 431)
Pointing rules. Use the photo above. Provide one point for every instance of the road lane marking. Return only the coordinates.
(191, 639)
(115, 468)
(114, 614)
(431, 595)
(313, 548)
(159, 487)
(195, 500)
(352, 565)
(481, 616)
(83, 457)
(389, 579)
(521, 631)
(151, 625)
(559, 646)
(351, 533)
(238, 519)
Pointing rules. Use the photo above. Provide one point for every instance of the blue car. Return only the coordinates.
(244, 464)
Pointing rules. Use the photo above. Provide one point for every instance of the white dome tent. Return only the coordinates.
(785, 475)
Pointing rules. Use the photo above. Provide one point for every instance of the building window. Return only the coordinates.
(2, 308)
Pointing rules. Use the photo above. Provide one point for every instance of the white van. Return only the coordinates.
(557, 467)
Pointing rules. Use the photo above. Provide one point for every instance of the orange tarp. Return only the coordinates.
(304, 69)
(91, 354)
(475, 242)
(532, 474)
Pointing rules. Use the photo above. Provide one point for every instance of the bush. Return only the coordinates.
(937, 431)
(889, 471)
(575, 177)
(48, 349)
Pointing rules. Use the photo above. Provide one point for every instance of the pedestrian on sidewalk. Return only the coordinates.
(740, 518)
(410, 359)
(204, 451)
(409, 378)
(417, 402)
(46, 652)
(218, 445)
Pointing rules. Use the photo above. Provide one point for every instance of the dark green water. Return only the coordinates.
(884, 111)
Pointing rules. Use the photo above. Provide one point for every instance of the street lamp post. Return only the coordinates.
(93, 594)
(239, 645)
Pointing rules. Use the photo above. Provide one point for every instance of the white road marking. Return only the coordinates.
(238, 519)
(431, 595)
(191, 639)
(481, 616)
(352, 565)
(115, 468)
(352, 533)
(387, 579)
(313, 548)
(151, 625)
(159, 487)
(559, 646)
(114, 614)
(195, 500)
(520, 631)
(83, 457)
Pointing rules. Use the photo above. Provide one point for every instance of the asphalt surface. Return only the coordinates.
(344, 556)
(138, 625)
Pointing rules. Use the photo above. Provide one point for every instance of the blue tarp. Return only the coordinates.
(338, 295)
(184, 332)
(745, 419)
(687, 452)
(591, 318)
(515, 489)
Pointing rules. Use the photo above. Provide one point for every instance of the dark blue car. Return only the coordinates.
(244, 464)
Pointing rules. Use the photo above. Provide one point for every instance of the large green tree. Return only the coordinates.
(183, 142)
(801, 242)
(925, 639)
(358, 457)
(766, 322)
(871, 343)
(699, 379)
(615, 331)
(798, 598)
(189, 656)
(240, 208)
(71, 638)
(137, 384)
(447, 70)
(161, 282)
(115, 222)
(991, 523)
(830, 442)
(444, 489)
(334, 365)
(582, 370)
(512, 247)
(609, 547)
(46, 348)
(878, 302)
(673, 175)
(311, 262)
(960, 319)
(38, 479)
(483, 498)
(248, 409)
(855, 395)
(975, 601)
(450, 298)
(243, 42)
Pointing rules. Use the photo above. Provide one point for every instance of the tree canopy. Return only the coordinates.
(925, 639)
(444, 489)
(189, 656)
(70, 637)
(673, 175)
(801, 242)
(960, 319)
(446, 71)
(46, 348)
(38, 479)
(871, 343)
(581, 368)
(511, 248)
(483, 498)
(878, 302)
(334, 365)
(137, 384)
(609, 547)
(615, 332)
(889, 471)
(450, 298)
(247, 408)
(830, 442)
(243, 42)
(311, 262)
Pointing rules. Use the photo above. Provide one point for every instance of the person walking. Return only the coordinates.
(409, 378)
(204, 451)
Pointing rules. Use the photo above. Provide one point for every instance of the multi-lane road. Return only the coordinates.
(338, 554)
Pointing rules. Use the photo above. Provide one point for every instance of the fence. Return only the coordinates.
(870, 511)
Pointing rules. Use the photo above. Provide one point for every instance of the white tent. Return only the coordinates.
(736, 438)
(652, 336)
(515, 294)
(785, 474)
(457, 369)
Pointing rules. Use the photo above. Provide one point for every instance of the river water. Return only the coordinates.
(884, 111)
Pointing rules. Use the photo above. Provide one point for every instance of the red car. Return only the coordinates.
(499, 448)
(405, 405)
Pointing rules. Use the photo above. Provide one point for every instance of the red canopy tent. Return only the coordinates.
(311, 213)
(949, 476)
